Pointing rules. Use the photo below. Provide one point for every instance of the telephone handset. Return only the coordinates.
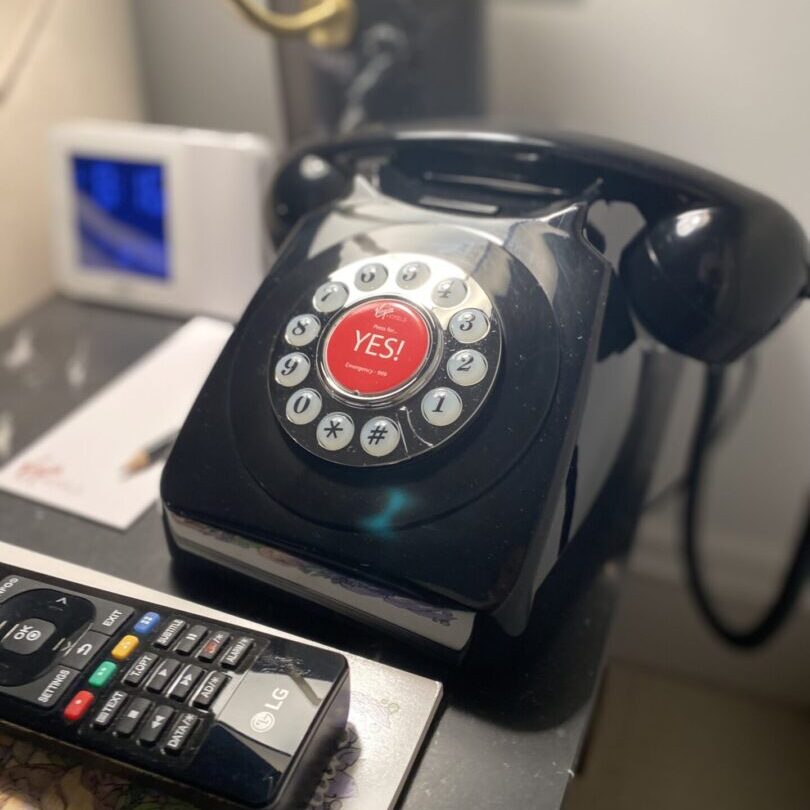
(390, 429)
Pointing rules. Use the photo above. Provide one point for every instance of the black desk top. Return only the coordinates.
(501, 740)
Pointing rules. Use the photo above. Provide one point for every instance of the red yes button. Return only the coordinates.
(377, 347)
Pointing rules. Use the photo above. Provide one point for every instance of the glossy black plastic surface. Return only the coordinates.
(265, 711)
(717, 266)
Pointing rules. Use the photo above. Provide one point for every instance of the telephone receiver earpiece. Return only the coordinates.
(710, 282)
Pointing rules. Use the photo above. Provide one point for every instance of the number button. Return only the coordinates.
(330, 297)
(449, 293)
(469, 325)
(335, 431)
(292, 369)
(379, 437)
(303, 406)
(413, 275)
(301, 330)
(370, 277)
(467, 367)
(441, 406)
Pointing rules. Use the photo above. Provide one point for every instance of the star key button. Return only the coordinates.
(335, 431)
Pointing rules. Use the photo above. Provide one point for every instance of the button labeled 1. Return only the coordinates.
(303, 406)
(301, 330)
(467, 367)
(469, 325)
(292, 369)
(441, 406)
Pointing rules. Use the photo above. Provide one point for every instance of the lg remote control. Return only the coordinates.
(212, 710)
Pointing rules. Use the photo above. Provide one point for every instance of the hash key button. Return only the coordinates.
(237, 651)
(181, 688)
(191, 639)
(211, 648)
(169, 633)
(180, 733)
(132, 716)
(154, 725)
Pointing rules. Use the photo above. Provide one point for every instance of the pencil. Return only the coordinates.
(147, 456)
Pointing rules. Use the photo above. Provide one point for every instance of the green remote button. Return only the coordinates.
(104, 671)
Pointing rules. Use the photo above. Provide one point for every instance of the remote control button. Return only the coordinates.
(140, 669)
(370, 276)
(108, 711)
(82, 651)
(103, 674)
(148, 622)
(110, 617)
(302, 330)
(154, 725)
(413, 275)
(181, 732)
(182, 687)
(27, 636)
(191, 639)
(13, 585)
(46, 690)
(377, 347)
(303, 406)
(209, 690)
(125, 647)
(379, 437)
(292, 369)
(162, 675)
(132, 715)
(210, 650)
(441, 406)
(449, 293)
(79, 705)
(469, 325)
(169, 633)
(467, 367)
(236, 653)
(334, 431)
(330, 297)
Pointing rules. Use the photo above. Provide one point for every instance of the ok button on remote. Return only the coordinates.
(376, 348)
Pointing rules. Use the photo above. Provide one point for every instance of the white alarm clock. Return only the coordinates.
(160, 218)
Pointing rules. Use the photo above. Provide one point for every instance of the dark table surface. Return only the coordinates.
(507, 735)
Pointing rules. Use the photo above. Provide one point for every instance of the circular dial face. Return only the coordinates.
(385, 359)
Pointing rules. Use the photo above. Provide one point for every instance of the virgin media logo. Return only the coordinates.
(382, 311)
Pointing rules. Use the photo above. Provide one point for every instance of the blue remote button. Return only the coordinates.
(147, 622)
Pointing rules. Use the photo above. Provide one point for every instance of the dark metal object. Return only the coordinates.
(409, 59)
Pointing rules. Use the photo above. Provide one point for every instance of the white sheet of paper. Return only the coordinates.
(77, 465)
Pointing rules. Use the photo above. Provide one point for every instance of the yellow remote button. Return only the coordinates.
(125, 648)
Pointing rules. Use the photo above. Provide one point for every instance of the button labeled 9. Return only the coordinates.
(292, 369)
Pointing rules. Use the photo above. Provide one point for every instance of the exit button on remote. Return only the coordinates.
(376, 348)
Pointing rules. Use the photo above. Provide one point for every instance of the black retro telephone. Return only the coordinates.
(390, 428)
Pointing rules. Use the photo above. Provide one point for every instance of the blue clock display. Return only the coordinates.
(121, 216)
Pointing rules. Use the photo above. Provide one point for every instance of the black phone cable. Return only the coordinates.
(791, 587)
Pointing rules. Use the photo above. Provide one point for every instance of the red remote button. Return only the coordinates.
(377, 347)
(78, 706)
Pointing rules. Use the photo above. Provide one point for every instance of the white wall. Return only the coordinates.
(81, 62)
(726, 84)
